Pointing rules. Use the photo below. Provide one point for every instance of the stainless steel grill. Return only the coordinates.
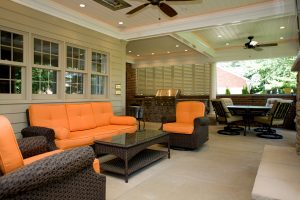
(166, 97)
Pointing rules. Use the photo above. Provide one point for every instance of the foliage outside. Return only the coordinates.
(265, 75)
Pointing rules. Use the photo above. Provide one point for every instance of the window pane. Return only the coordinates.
(75, 64)
(17, 55)
(74, 83)
(69, 63)
(37, 58)
(54, 61)
(75, 53)
(54, 48)
(5, 53)
(4, 72)
(10, 79)
(69, 52)
(18, 41)
(82, 54)
(6, 38)
(46, 59)
(44, 81)
(97, 84)
(46, 46)
(37, 45)
(94, 56)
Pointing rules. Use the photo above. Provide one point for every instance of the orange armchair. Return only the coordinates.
(190, 128)
(53, 175)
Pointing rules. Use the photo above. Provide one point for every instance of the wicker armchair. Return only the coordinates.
(64, 175)
(274, 118)
(189, 129)
(223, 115)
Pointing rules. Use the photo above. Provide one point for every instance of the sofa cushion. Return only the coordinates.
(183, 128)
(102, 112)
(80, 116)
(61, 133)
(123, 120)
(74, 142)
(48, 115)
(10, 155)
(187, 111)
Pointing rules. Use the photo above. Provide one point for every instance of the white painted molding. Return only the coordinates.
(253, 12)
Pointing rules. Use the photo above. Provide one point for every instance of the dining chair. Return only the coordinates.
(223, 115)
(275, 118)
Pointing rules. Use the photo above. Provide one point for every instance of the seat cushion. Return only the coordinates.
(48, 115)
(187, 111)
(10, 155)
(181, 128)
(102, 112)
(119, 128)
(123, 120)
(80, 116)
(40, 156)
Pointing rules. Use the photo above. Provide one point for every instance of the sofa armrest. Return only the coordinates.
(48, 133)
(32, 146)
(48, 172)
(123, 120)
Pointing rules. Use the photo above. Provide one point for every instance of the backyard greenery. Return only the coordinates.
(265, 75)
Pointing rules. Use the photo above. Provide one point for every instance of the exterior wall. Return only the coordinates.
(31, 22)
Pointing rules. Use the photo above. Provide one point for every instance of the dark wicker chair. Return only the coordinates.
(223, 115)
(275, 118)
(65, 175)
(196, 122)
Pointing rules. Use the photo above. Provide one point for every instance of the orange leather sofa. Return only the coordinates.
(78, 124)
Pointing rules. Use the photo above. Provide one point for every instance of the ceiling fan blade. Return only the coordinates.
(167, 9)
(137, 8)
(267, 45)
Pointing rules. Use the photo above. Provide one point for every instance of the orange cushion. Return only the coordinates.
(117, 129)
(123, 120)
(48, 115)
(74, 142)
(102, 112)
(61, 133)
(96, 166)
(40, 156)
(10, 155)
(187, 111)
(183, 128)
(80, 116)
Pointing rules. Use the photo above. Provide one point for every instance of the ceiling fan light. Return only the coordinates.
(253, 43)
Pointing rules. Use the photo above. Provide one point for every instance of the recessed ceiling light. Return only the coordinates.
(168, 51)
(129, 51)
(282, 27)
(219, 36)
(120, 23)
(138, 55)
(281, 38)
(152, 53)
(82, 5)
(227, 44)
(185, 50)
(177, 45)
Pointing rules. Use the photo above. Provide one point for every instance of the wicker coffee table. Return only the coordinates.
(131, 151)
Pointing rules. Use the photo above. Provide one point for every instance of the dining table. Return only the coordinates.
(248, 112)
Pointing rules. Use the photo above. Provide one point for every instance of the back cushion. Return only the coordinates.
(80, 116)
(10, 155)
(48, 115)
(187, 111)
(102, 112)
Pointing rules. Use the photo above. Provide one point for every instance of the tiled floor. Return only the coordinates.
(223, 169)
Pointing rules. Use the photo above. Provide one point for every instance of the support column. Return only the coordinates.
(213, 86)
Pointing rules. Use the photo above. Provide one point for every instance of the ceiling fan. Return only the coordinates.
(168, 10)
(252, 44)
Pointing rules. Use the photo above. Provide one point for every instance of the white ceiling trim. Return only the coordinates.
(67, 14)
(257, 11)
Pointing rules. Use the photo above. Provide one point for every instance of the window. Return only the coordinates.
(75, 70)
(99, 74)
(11, 46)
(10, 79)
(74, 83)
(45, 70)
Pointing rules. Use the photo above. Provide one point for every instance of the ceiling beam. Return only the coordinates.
(195, 42)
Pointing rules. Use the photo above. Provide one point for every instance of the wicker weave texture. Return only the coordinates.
(67, 175)
(32, 146)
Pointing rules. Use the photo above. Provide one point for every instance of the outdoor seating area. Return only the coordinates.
(154, 100)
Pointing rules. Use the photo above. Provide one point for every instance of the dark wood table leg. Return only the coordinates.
(169, 153)
(126, 167)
